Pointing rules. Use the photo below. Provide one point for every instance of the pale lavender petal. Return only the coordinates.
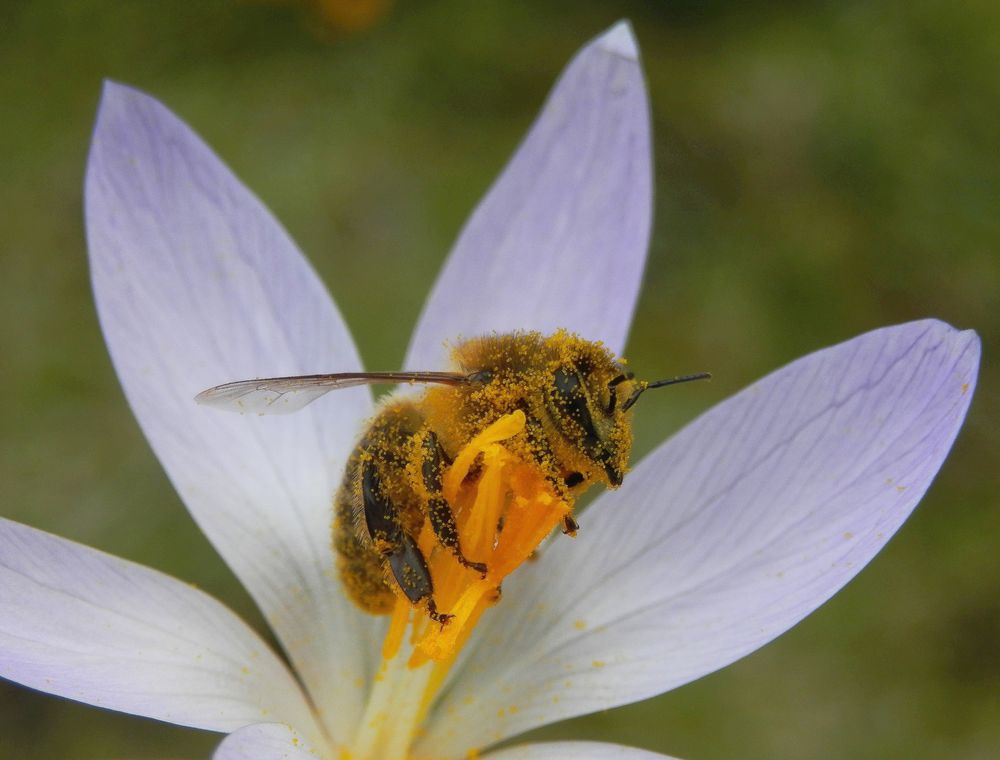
(265, 741)
(723, 538)
(560, 239)
(196, 284)
(573, 751)
(91, 627)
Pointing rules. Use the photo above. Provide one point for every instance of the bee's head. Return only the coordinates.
(588, 406)
(589, 402)
(577, 394)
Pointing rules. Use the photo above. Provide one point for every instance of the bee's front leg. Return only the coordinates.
(433, 462)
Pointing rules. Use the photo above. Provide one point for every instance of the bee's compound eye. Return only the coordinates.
(574, 416)
(571, 404)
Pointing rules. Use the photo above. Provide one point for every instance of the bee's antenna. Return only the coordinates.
(661, 383)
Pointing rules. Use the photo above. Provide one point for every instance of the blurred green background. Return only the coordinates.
(821, 169)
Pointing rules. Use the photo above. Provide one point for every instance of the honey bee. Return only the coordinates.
(576, 398)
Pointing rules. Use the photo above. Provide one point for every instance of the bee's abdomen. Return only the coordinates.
(359, 565)
(362, 557)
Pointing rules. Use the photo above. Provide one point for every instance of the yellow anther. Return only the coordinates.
(502, 515)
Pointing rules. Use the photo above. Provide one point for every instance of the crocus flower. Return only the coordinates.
(721, 539)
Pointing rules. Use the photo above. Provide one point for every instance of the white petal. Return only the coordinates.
(721, 539)
(560, 239)
(91, 627)
(573, 751)
(196, 284)
(265, 741)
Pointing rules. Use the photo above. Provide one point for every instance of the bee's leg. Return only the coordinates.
(560, 486)
(570, 526)
(402, 553)
(438, 509)
(433, 614)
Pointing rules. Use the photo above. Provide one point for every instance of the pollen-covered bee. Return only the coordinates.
(447, 491)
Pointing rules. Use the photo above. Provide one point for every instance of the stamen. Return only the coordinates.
(397, 628)
(504, 491)
(507, 491)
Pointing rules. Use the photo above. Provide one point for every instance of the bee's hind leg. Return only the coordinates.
(438, 509)
(401, 552)
(433, 614)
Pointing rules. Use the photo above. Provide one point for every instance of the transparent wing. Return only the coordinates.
(282, 395)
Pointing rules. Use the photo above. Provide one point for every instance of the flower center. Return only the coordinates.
(504, 508)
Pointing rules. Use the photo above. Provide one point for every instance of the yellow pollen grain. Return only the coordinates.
(580, 625)
(598, 664)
